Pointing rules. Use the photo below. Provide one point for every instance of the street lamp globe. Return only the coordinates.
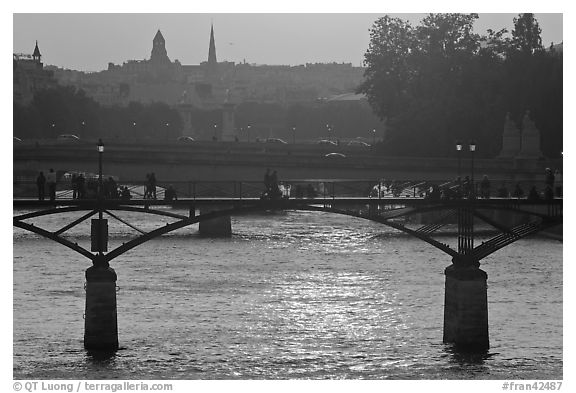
(100, 146)
(472, 146)
(458, 146)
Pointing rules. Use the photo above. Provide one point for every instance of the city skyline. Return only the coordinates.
(274, 39)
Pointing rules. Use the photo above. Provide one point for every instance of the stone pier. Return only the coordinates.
(100, 321)
(466, 307)
(216, 227)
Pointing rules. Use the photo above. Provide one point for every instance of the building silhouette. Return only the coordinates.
(29, 76)
(210, 85)
(205, 85)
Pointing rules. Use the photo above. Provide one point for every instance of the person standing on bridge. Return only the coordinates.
(558, 180)
(126, 194)
(41, 183)
(518, 191)
(485, 187)
(503, 191)
(274, 189)
(147, 187)
(267, 182)
(153, 185)
(81, 186)
(51, 180)
(74, 184)
(549, 190)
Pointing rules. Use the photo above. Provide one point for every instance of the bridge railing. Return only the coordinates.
(25, 187)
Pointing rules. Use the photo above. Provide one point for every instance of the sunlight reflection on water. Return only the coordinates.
(301, 295)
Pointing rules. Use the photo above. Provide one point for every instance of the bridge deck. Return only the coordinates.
(544, 213)
(23, 203)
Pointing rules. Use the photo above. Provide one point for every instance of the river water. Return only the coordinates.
(297, 295)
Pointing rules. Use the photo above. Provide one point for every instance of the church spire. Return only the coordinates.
(36, 55)
(212, 49)
(159, 54)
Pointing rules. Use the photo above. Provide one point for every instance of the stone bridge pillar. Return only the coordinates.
(100, 321)
(466, 307)
(216, 227)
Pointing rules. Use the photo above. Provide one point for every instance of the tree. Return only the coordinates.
(533, 81)
(422, 79)
(526, 34)
(387, 65)
(439, 82)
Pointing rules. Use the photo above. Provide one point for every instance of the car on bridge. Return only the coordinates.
(326, 142)
(335, 155)
(67, 138)
(276, 140)
(185, 139)
(358, 143)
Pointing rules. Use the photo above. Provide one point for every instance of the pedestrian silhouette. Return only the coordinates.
(485, 187)
(153, 185)
(41, 183)
(74, 183)
(310, 191)
(274, 189)
(503, 191)
(518, 192)
(549, 190)
(267, 183)
(81, 186)
(51, 181)
(558, 180)
(126, 194)
(533, 194)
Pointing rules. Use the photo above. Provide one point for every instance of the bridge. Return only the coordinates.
(407, 208)
(206, 160)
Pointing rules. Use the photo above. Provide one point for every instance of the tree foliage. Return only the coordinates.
(439, 82)
(526, 34)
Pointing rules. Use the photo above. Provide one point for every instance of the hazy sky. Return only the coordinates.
(88, 41)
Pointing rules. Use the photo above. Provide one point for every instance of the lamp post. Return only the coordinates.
(472, 150)
(329, 129)
(293, 135)
(167, 130)
(459, 149)
(248, 130)
(459, 157)
(373, 136)
(99, 241)
(100, 153)
(214, 138)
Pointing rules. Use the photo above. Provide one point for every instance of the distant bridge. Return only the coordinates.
(205, 160)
